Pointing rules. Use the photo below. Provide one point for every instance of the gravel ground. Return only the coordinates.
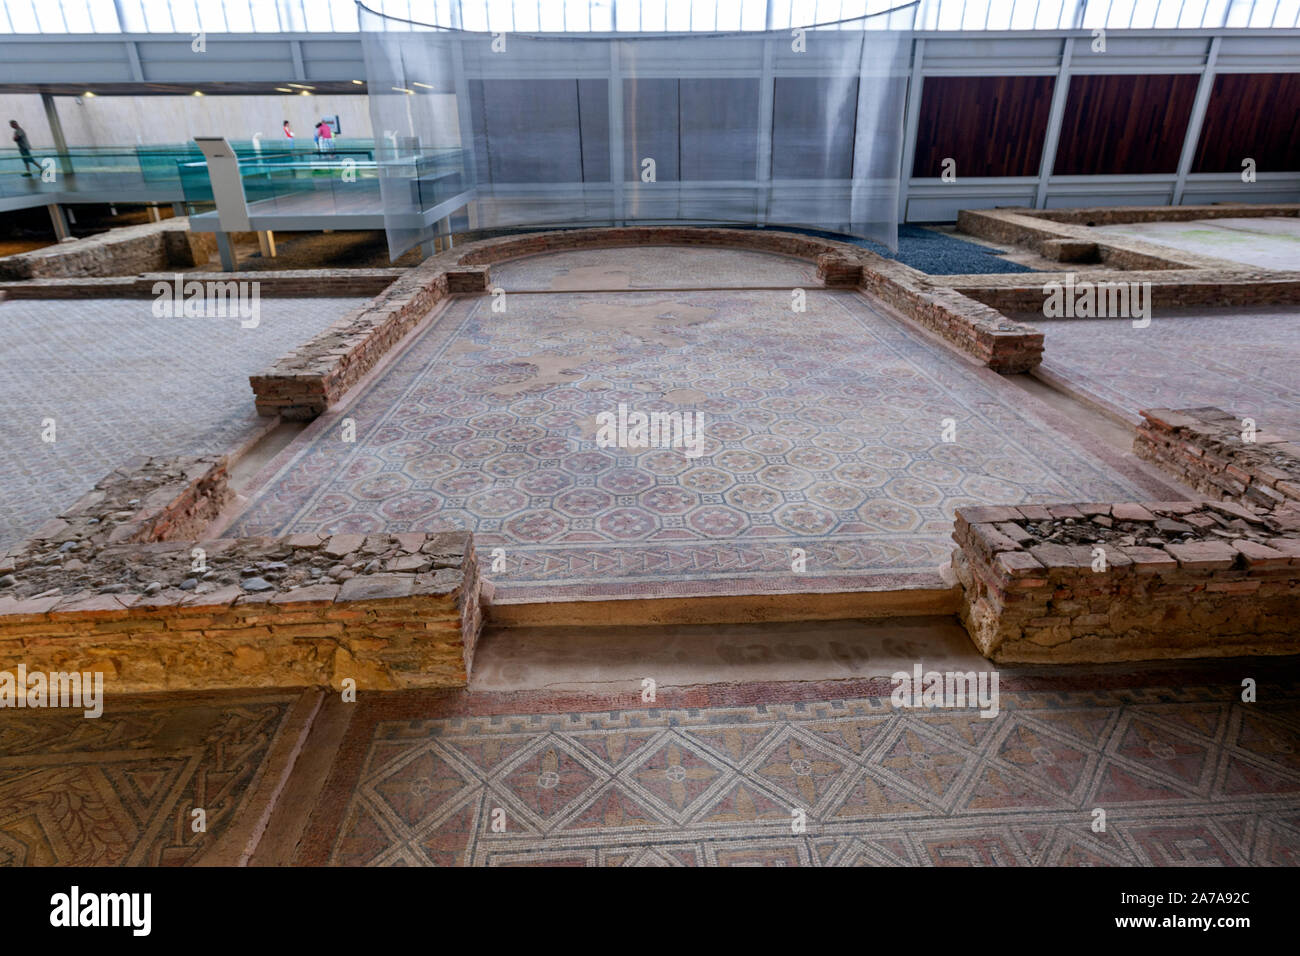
(325, 250)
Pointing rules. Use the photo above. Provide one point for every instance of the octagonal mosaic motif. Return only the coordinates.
(823, 432)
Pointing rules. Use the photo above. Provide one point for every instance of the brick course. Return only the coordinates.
(303, 384)
(126, 250)
(111, 586)
(1181, 579)
(1205, 449)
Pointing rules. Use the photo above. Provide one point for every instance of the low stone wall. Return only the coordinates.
(1018, 294)
(1064, 234)
(126, 250)
(304, 383)
(1179, 579)
(1206, 450)
(116, 585)
(1119, 215)
(288, 283)
(974, 328)
(147, 499)
(499, 249)
(399, 621)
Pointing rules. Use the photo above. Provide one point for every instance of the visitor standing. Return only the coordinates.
(288, 133)
(326, 137)
(24, 148)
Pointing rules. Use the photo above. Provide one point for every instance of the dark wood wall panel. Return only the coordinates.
(1124, 124)
(1254, 115)
(991, 125)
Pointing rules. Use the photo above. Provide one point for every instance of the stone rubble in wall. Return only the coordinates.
(125, 250)
(1154, 525)
(148, 499)
(1204, 448)
(252, 565)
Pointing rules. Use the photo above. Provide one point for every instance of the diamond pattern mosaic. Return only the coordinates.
(1187, 777)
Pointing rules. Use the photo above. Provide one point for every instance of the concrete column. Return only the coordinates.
(1194, 123)
(617, 160)
(178, 209)
(61, 230)
(1055, 116)
(226, 249)
(427, 249)
(154, 214)
(766, 94)
(56, 130)
(266, 243)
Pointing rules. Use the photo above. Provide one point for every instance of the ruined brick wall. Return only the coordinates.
(304, 383)
(1064, 235)
(126, 250)
(1206, 449)
(974, 328)
(488, 251)
(112, 586)
(1118, 215)
(1169, 290)
(1179, 579)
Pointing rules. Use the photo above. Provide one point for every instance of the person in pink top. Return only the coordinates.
(326, 137)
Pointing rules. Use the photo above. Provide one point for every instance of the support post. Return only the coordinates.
(616, 158)
(1194, 123)
(910, 124)
(1056, 113)
(61, 230)
(56, 130)
(266, 243)
(766, 96)
(226, 249)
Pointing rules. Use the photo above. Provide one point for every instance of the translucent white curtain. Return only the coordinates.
(500, 131)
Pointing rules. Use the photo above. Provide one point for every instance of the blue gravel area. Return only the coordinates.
(933, 253)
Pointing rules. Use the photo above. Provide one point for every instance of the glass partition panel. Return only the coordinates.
(799, 127)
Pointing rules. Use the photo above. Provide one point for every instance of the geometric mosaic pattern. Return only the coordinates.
(1186, 777)
(823, 432)
(119, 383)
(1243, 360)
(118, 790)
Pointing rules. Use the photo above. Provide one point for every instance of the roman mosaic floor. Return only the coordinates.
(119, 383)
(707, 775)
(1266, 242)
(824, 432)
(1243, 360)
(711, 776)
(121, 789)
